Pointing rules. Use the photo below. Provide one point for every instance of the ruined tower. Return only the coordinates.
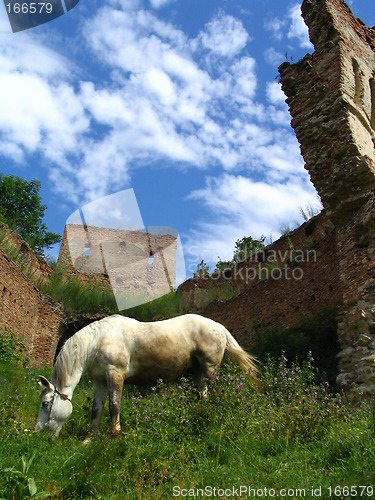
(137, 266)
(331, 97)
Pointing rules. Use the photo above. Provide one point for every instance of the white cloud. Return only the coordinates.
(298, 28)
(156, 4)
(161, 85)
(224, 36)
(277, 110)
(160, 96)
(276, 27)
(244, 79)
(273, 57)
(171, 88)
(164, 101)
(292, 25)
(243, 207)
(132, 40)
(274, 93)
(13, 151)
(39, 109)
(106, 106)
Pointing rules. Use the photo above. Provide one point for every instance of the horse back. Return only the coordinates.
(145, 352)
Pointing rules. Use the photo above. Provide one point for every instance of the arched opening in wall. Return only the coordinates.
(358, 83)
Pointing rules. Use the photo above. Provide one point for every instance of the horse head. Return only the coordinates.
(55, 408)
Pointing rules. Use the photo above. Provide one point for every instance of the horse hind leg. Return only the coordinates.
(203, 371)
(100, 395)
(116, 383)
(199, 381)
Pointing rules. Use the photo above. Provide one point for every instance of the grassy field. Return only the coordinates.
(292, 437)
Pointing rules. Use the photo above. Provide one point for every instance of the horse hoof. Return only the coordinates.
(87, 441)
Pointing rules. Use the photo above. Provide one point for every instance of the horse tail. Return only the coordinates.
(246, 361)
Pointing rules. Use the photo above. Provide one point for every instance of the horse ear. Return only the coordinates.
(45, 384)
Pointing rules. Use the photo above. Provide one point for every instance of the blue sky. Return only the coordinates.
(177, 99)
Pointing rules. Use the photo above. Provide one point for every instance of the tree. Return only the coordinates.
(202, 270)
(244, 249)
(247, 247)
(22, 210)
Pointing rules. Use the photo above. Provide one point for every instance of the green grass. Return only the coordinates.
(79, 297)
(291, 434)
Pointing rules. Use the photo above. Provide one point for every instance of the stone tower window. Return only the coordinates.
(151, 258)
(372, 93)
(87, 250)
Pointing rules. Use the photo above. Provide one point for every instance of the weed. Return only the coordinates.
(10, 346)
(19, 484)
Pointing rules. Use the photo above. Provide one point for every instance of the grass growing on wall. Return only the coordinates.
(293, 434)
(77, 296)
(16, 253)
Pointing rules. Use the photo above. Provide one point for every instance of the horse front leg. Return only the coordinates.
(100, 395)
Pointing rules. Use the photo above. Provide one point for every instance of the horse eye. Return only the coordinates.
(46, 404)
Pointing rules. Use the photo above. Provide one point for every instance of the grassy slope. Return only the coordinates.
(291, 434)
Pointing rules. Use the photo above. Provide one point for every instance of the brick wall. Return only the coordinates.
(303, 281)
(23, 309)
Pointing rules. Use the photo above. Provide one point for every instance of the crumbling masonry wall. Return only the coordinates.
(292, 279)
(331, 97)
(136, 263)
(24, 312)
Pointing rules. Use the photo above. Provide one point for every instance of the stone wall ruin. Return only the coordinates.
(331, 97)
(293, 279)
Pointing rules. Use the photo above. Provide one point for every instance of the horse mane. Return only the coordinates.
(72, 356)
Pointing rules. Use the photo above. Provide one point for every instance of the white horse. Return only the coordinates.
(117, 350)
